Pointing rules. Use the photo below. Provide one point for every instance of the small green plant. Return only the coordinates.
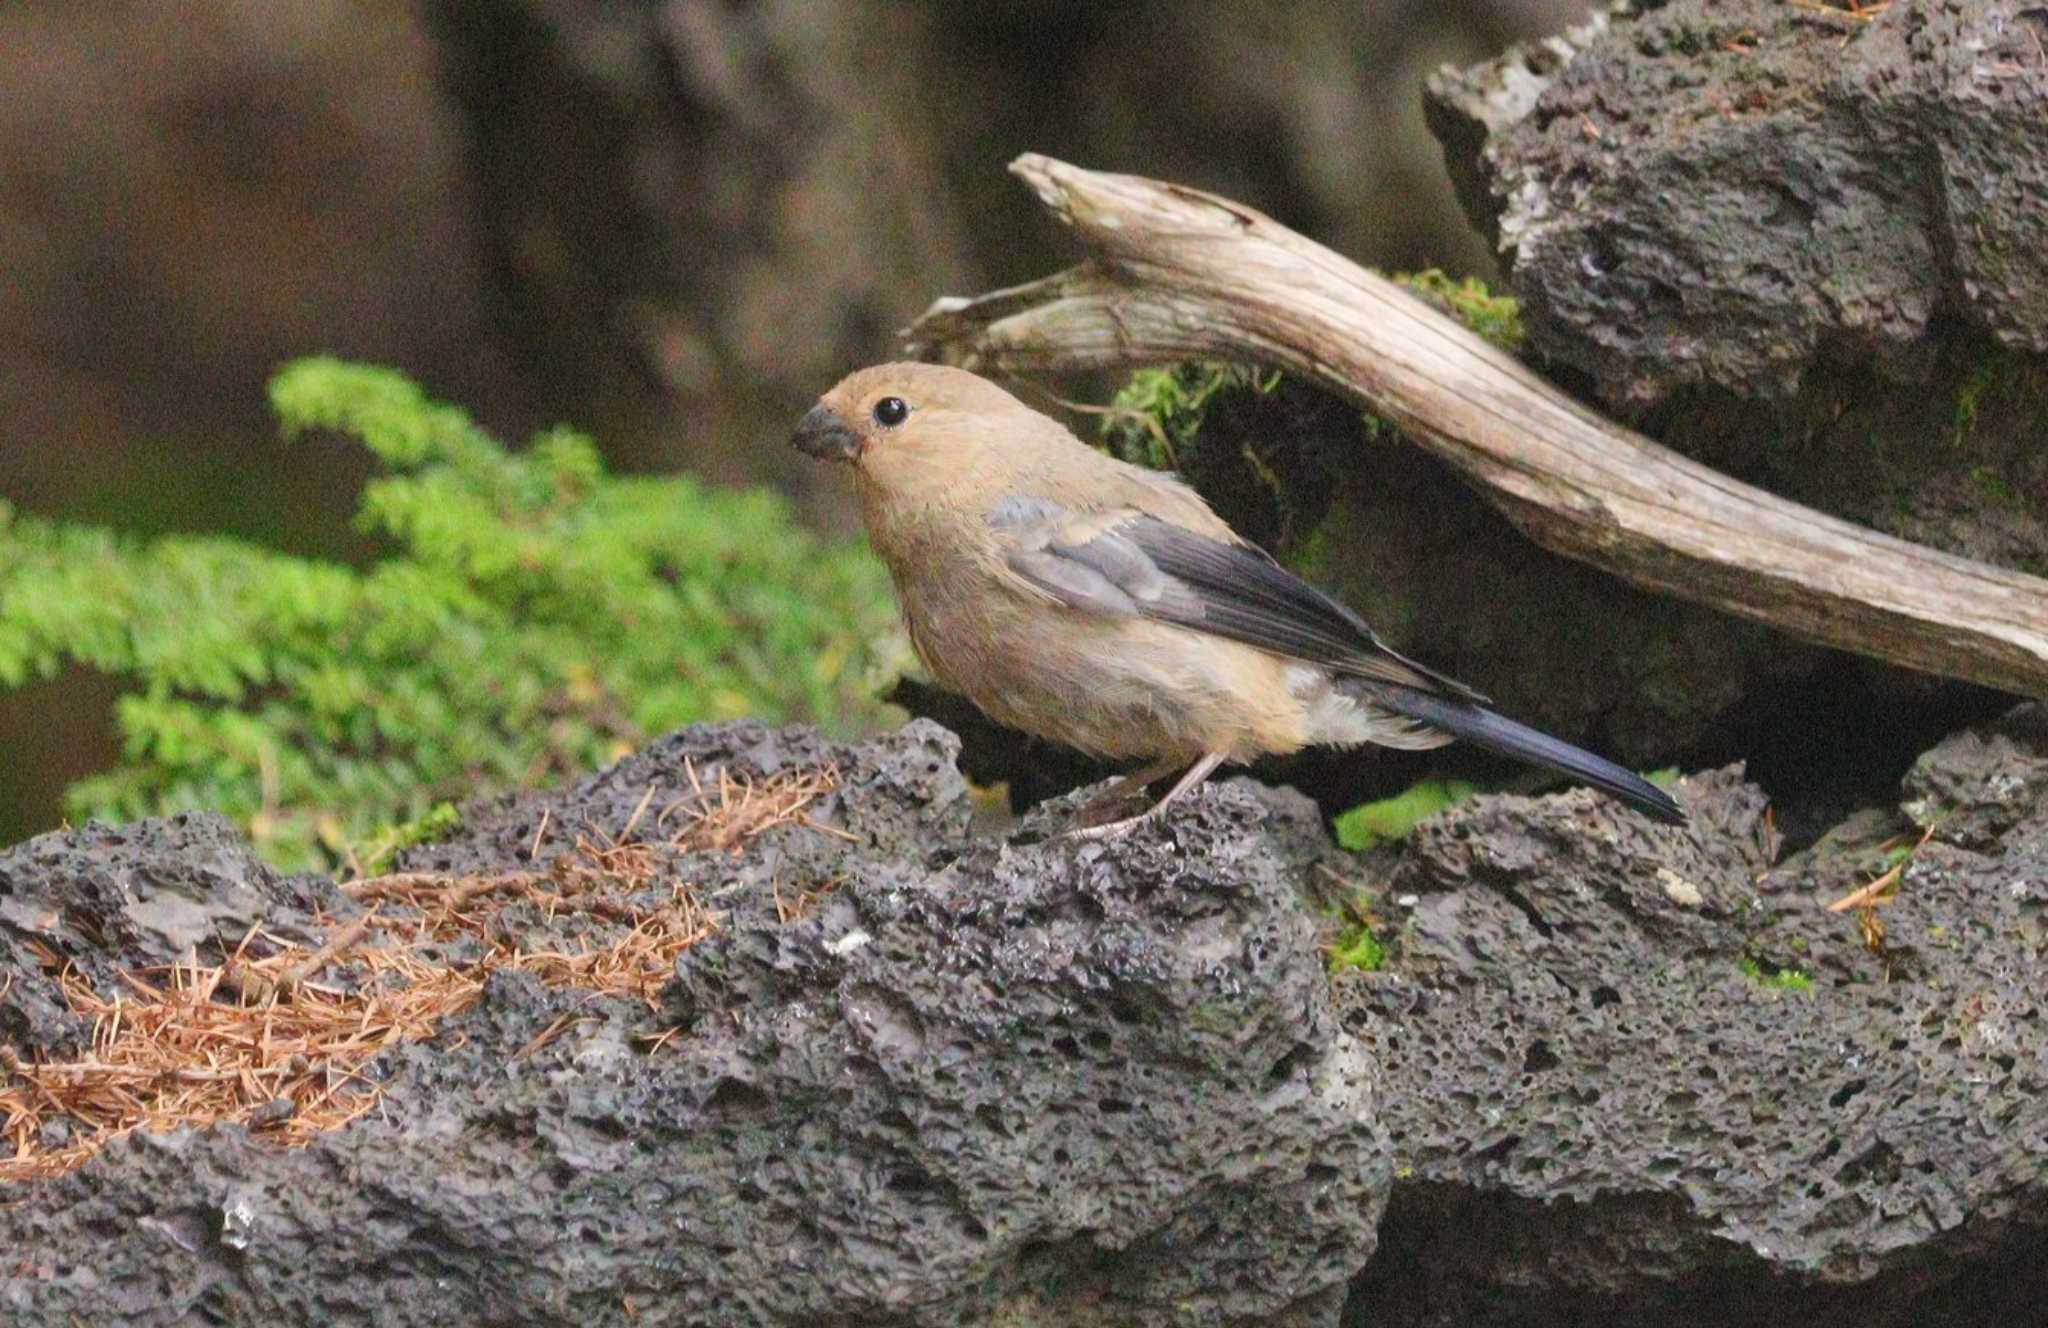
(1156, 416)
(1374, 823)
(531, 616)
(1498, 318)
(1357, 948)
(1785, 978)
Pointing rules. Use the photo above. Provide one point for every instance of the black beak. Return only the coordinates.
(825, 436)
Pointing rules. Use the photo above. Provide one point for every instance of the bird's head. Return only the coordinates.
(904, 427)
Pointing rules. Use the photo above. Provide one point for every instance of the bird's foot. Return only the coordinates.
(1102, 829)
(1133, 786)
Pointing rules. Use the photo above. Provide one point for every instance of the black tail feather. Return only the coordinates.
(1499, 734)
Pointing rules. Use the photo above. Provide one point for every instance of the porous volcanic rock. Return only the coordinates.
(1727, 192)
(1045, 1080)
(1632, 1080)
(1612, 1072)
(141, 895)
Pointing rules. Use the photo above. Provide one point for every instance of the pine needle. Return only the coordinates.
(263, 1043)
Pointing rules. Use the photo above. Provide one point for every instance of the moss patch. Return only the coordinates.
(1374, 823)
(1498, 318)
(1156, 417)
(440, 821)
(1358, 950)
(1781, 978)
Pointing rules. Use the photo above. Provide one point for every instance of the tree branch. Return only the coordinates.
(1178, 273)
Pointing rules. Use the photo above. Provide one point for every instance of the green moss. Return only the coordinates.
(1498, 318)
(529, 617)
(1997, 378)
(1157, 416)
(1997, 490)
(1154, 420)
(1328, 556)
(440, 821)
(1308, 558)
(1374, 823)
(1357, 949)
(1782, 978)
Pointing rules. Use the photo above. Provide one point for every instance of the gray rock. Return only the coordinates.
(141, 895)
(1653, 1080)
(1018, 1080)
(1979, 786)
(1728, 193)
(983, 1081)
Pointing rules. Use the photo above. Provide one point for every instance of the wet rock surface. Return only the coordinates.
(131, 896)
(1727, 192)
(1059, 1082)
(1637, 1078)
(1611, 1073)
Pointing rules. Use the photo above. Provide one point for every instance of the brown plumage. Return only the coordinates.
(1074, 596)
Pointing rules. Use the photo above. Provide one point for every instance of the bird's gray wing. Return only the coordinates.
(1125, 563)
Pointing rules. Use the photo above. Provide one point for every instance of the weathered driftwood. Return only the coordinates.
(1179, 273)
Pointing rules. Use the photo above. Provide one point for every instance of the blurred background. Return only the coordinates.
(669, 223)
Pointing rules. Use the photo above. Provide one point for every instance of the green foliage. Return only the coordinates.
(1309, 559)
(1357, 948)
(1498, 318)
(1781, 979)
(1374, 823)
(1155, 418)
(531, 616)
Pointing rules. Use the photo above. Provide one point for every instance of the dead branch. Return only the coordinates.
(1177, 273)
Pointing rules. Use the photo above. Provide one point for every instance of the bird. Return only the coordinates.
(1105, 606)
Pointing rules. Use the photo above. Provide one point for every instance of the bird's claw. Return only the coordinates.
(1108, 829)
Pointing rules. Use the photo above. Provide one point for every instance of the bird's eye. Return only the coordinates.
(891, 411)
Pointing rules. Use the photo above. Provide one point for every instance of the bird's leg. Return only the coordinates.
(1197, 772)
(1103, 808)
